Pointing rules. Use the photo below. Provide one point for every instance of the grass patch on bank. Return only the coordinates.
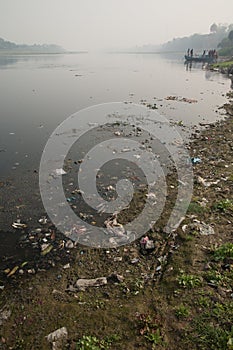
(225, 64)
(224, 251)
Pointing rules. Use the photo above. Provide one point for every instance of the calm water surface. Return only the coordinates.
(40, 91)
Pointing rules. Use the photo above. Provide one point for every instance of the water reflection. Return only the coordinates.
(6, 61)
(12, 60)
(189, 65)
(38, 92)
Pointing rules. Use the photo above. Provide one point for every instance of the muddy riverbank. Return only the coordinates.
(175, 295)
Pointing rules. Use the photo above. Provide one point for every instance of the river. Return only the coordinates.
(40, 91)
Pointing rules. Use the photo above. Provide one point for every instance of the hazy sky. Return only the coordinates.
(86, 24)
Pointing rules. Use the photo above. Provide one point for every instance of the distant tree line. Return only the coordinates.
(45, 48)
(200, 41)
(226, 45)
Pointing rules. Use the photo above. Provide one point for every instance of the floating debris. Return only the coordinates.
(149, 245)
(203, 228)
(144, 241)
(206, 183)
(115, 278)
(115, 227)
(171, 98)
(117, 133)
(195, 160)
(4, 315)
(13, 271)
(67, 266)
(206, 230)
(188, 100)
(118, 258)
(69, 244)
(59, 172)
(183, 99)
(83, 284)
(18, 225)
(43, 220)
(46, 248)
(134, 261)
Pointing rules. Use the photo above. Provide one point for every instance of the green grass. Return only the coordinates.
(149, 327)
(89, 342)
(155, 338)
(188, 281)
(225, 64)
(213, 328)
(214, 277)
(224, 205)
(204, 301)
(223, 252)
(182, 311)
(195, 208)
(212, 337)
(223, 279)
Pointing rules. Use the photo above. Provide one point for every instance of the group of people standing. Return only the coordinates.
(210, 53)
(190, 52)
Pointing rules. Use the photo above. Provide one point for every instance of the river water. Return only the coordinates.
(38, 92)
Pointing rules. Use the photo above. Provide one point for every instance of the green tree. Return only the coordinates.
(213, 28)
(230, 36)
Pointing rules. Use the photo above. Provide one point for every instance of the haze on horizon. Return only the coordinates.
(107, 24)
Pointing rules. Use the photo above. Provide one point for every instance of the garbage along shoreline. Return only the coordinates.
(224, 67)
(123, 296)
